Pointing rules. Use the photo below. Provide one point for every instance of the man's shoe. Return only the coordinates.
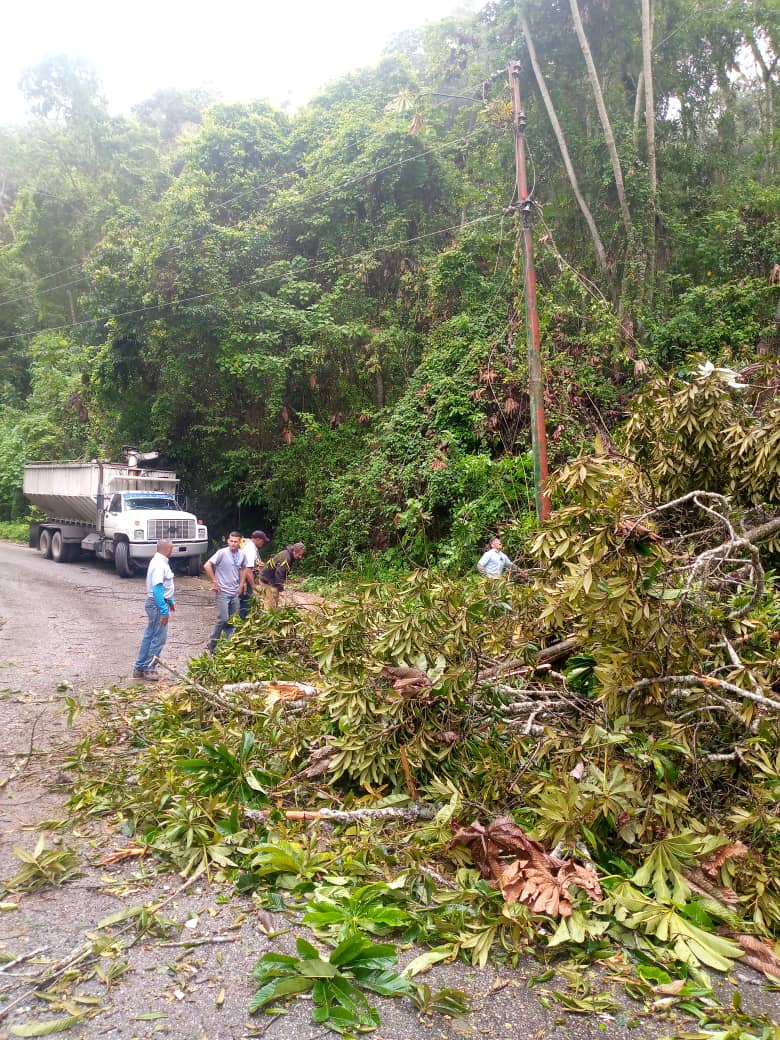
(138, 673)
(151, 677)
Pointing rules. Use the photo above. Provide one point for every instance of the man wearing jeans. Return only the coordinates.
(228, 572)
(159, 606)
(252, 548)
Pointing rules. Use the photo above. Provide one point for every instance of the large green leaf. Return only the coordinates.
(276, 989)
(663, 868)
(357, 951)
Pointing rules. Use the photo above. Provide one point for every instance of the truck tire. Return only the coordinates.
(122, 562)
(193, 566)
(60, 550)
(44, 543)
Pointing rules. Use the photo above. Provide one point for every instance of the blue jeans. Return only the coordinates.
(245, 602)
(153, 640)
(227, 606)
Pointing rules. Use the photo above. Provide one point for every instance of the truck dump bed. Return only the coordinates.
(69, 490)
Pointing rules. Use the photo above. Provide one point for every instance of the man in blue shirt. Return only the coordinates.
(228, 572)
(160, 605)
(494, 562)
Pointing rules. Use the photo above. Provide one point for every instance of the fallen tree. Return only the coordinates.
(615, 722)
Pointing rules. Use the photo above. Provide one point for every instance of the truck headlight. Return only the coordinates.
(201, 534)
(138, 535)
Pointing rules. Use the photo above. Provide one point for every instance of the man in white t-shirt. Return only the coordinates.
(252, 547)
(160, 604)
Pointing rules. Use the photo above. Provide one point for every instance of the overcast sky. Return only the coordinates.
(239, 49)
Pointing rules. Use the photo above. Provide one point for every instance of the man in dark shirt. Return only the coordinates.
(274, 575)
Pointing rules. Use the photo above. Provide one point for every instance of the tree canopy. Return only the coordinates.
(317, 316)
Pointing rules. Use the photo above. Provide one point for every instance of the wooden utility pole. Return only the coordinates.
(535, 377)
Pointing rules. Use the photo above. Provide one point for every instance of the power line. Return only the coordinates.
(172, 227)
(313, 266)
(317, 196)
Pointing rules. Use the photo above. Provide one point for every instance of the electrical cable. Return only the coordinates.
(317, 196)
(307, 268)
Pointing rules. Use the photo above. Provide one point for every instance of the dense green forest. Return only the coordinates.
(317, 317)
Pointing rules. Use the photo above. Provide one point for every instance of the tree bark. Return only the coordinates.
(606, 126)
(767, 75)
(638, 103)
(598, 245)
(647, 76)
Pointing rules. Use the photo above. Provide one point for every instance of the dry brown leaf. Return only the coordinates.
(392, 672)
(700, 883)
(534, 877)
(713, 863)
(759, 954)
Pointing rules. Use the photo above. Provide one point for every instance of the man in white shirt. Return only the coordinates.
(252, 547)
(494, 562)
(160, 604)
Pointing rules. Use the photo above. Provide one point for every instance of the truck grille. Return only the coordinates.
(175, 530)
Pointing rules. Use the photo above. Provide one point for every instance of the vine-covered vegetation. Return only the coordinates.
(317, 317)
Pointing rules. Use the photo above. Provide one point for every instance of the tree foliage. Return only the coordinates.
(317, 316)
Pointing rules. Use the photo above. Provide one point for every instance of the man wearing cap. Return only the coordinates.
(252, 547)
(274, 575)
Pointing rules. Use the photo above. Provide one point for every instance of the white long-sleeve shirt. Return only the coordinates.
(493, 563)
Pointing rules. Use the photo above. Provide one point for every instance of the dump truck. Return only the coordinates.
(116, 510)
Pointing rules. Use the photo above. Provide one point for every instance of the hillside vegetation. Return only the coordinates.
(317, 317)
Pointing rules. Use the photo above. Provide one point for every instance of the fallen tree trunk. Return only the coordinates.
(402, 814)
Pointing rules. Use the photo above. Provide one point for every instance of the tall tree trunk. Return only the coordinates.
(598, 245)
(606, 126)
(379, 385)
(5, 211)
(638, 103)
(647, 76)
(767, 71)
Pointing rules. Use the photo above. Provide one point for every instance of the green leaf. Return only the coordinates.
(663, 868)
(316, 968)
(305, 949)
(357, 950)
(385, 983)
(119, 916)
(276, 989)
(56, 1025)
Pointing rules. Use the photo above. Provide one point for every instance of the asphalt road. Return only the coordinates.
(70, 629)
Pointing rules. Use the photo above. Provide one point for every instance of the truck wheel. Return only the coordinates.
(122, 562)
(44, 543)
(193, 566)
(60, 550)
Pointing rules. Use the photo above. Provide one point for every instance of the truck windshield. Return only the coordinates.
(149, 502)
